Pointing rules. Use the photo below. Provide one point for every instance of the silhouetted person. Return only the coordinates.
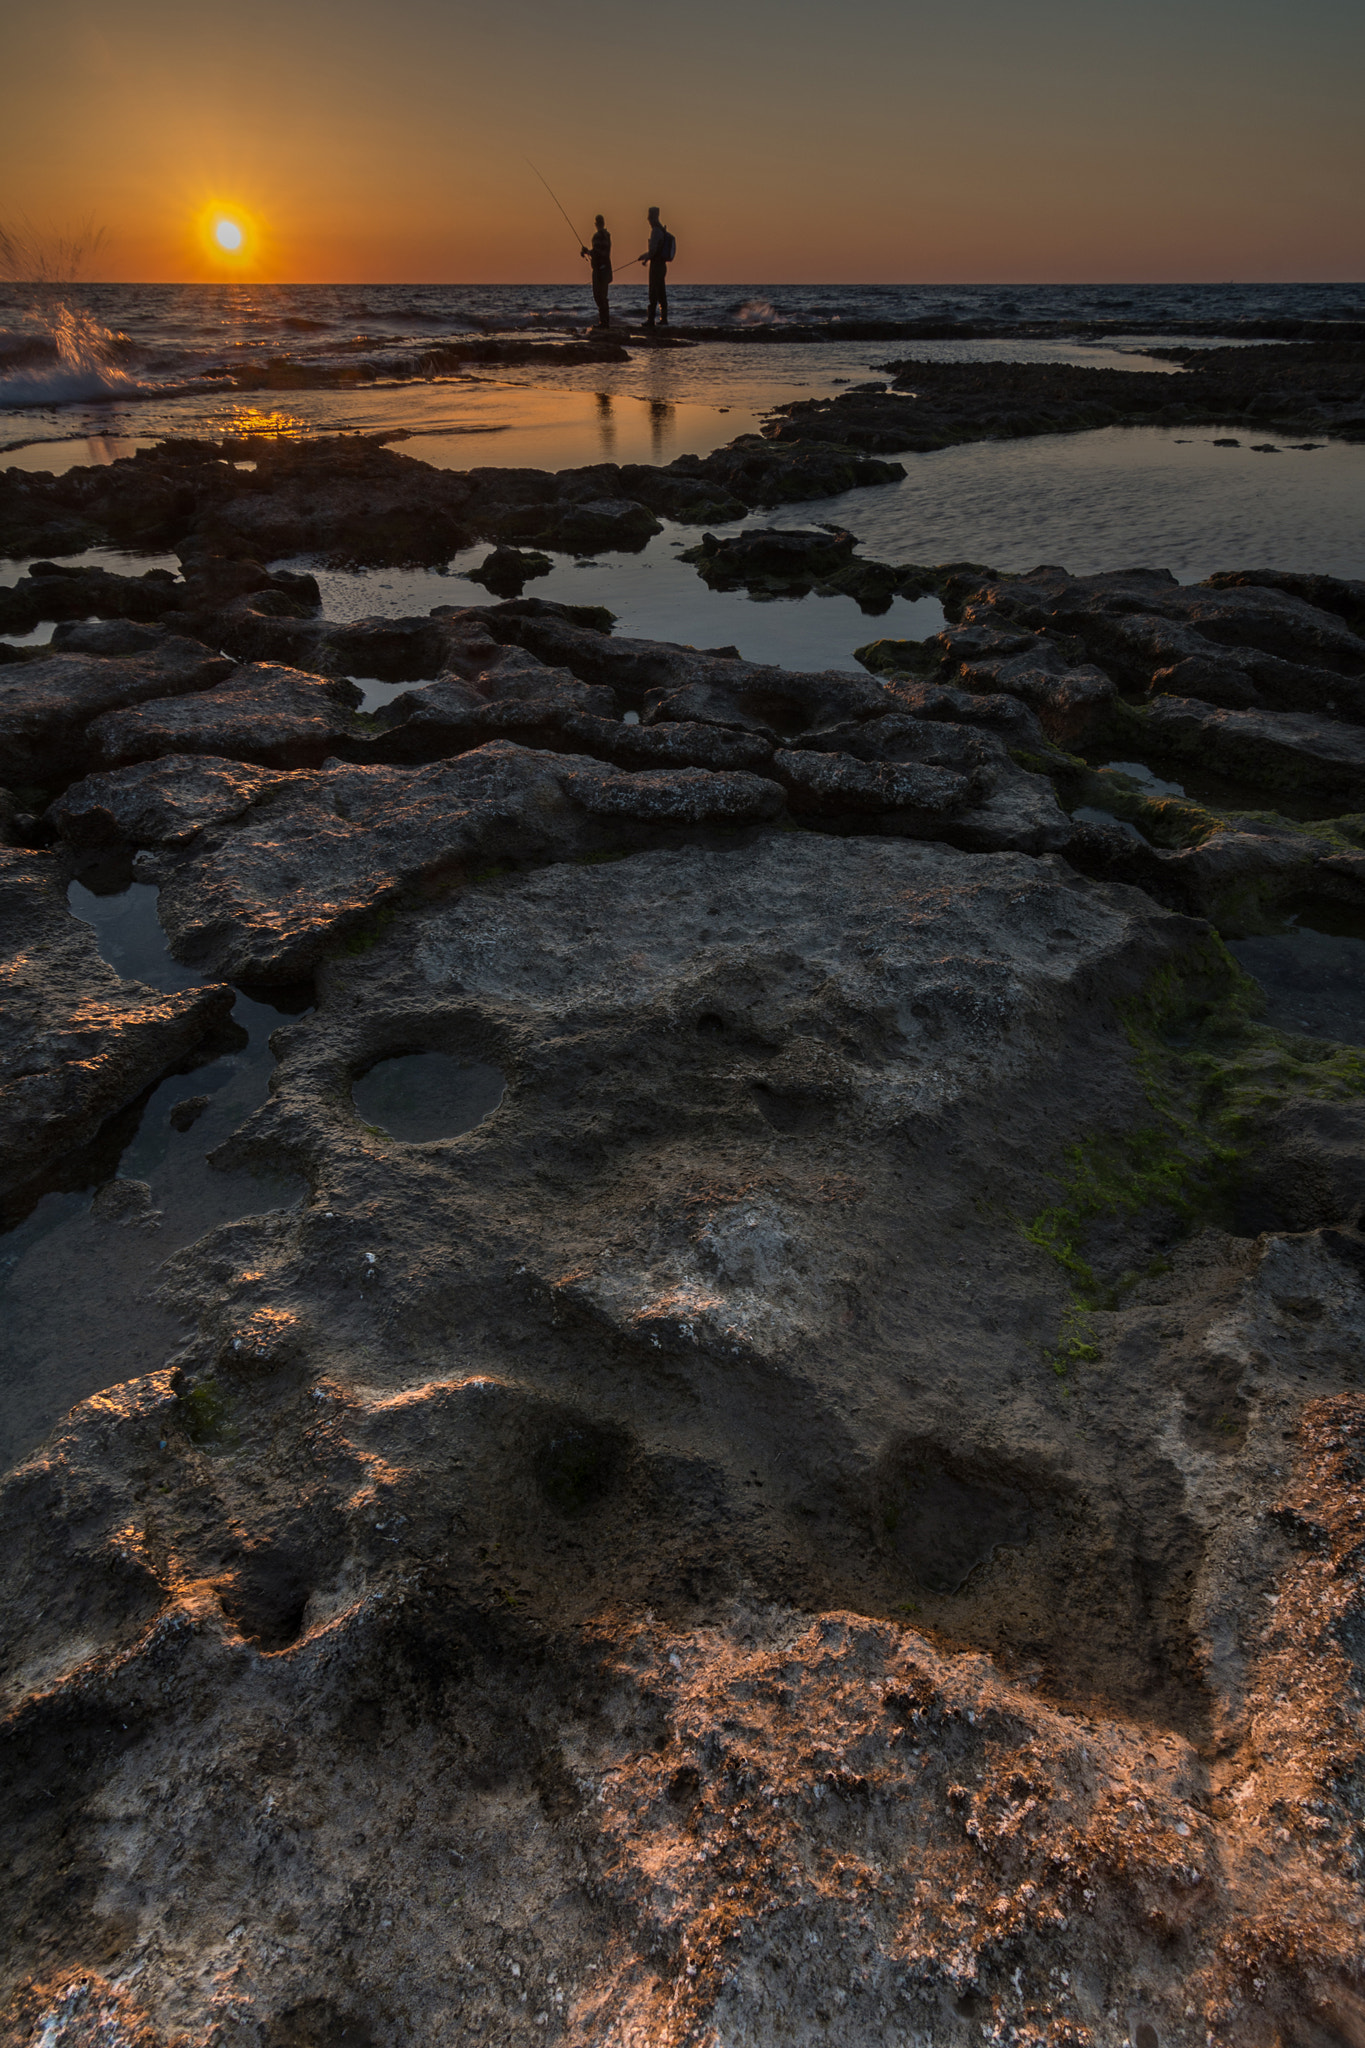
(658, 256)
(600, 253)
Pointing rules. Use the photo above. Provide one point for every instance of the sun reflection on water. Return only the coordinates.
(241, 422)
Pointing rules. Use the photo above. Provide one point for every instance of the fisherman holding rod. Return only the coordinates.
(600, 256)
(600, 253)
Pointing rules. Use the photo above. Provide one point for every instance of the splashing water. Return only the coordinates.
(70, 352)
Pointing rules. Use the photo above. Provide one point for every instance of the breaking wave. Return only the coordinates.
(71, 355)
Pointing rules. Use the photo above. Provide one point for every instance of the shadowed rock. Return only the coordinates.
(1136, 621)
(543, 707)
(789, 562)
(786, 554)
(984, 800)
(1343, 595)
(834, 784)
(1072, 704)
(1013, 720)
(1285, 750)
(72, 591)
(507, 570)
(1316, 385)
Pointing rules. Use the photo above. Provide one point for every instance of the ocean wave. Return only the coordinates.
(68, 386)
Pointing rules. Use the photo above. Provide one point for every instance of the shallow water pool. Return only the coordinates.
(1116, 498)
(420, 1096)
(655, 596)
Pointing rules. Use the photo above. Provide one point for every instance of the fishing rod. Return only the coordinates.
(582, 245)
(567, 222)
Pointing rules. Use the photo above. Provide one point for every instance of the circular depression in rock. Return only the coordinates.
(417, 1096)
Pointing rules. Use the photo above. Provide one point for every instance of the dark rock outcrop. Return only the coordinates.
(1138, 622)
(50, 591)
(778, 562)
(1072, 704)
(276, 717)
(1316, 386)
(354, 501)
(507, 570)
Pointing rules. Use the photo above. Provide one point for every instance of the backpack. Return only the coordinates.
(669, 248)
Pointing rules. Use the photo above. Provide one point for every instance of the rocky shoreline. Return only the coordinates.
(825, 1507)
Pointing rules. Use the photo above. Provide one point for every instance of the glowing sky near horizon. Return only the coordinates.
(785, 140)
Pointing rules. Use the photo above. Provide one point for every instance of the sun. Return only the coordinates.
(229, 237)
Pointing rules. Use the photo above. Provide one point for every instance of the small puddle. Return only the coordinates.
(419, 1096)
(36, 636)
(1314, 980)
(374, 694)
(1089, 814)
(1139, 772)
(78, 1271)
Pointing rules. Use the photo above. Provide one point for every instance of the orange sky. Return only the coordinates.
(875, 140)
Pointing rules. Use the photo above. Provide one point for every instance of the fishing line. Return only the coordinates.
(567, 222)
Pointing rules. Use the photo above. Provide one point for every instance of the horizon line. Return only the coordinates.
(771, 284)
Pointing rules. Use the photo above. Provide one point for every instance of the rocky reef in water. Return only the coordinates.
(826, 1506)
(1303, 387)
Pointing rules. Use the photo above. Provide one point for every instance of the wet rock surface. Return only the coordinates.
(805, 1485)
